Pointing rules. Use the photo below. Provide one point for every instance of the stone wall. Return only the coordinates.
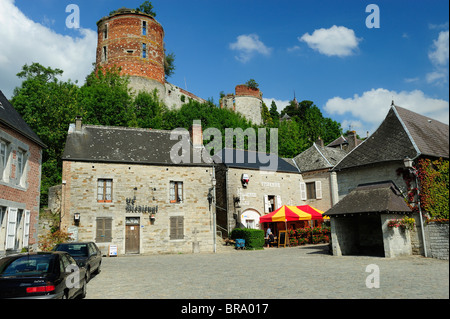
(436, 236)
(150, 186)
(350, 179)
(397, 242)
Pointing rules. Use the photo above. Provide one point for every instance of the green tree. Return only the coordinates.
(48, 106)
(148, 110)
(252, 84)
(106, 98)
(265, 114)
(147, 8)
(274, 112)
(169, 64)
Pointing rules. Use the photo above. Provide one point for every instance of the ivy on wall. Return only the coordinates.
(433, 176)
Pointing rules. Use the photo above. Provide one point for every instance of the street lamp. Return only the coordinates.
(409, 165)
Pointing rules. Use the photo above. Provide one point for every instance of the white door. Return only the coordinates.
(11, 228)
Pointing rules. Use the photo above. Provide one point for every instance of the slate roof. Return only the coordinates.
(123, 145)
(318, 157)
(11, 118)
(402, 133)
(374, 198)
(253, 160)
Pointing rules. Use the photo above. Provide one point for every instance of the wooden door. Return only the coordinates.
(132, 237)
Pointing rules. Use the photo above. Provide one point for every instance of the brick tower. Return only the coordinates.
(133, 41)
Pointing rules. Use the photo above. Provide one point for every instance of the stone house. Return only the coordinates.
(247, 189)
(20, 181)
(319, 187)
(123, 188)
(402, 133)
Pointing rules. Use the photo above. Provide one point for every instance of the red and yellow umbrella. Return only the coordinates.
(292, 213)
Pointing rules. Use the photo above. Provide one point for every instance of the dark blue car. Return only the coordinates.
(43, 275)
(87, 254)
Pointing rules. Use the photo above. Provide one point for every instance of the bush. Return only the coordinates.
(254, 238)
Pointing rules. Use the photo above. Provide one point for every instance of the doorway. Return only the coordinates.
(132, 235)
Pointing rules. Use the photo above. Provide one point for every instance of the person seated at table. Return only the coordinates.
(270, 239)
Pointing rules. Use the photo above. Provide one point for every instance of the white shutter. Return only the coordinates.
(302, 191)
(11, 228)
(318, 190)
(266, 204)
(278, 201)
(26, 228)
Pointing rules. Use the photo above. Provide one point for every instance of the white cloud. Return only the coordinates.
(439, 56)
(338, 41)
(248, 45)
(25, 41)
(372, 106)
(281, 104)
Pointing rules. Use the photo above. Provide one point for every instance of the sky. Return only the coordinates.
(352, 58)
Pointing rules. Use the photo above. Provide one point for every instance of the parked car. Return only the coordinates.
(43, 275)
(86, 254)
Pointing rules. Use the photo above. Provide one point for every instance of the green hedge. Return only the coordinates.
(254, 238)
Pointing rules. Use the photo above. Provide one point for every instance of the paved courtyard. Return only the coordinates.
(274, 273)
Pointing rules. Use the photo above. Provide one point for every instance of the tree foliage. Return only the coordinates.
(147, 8)
(49, 105)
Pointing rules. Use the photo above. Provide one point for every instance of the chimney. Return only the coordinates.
(196, 134)
(78, 123)
(352, 140)
(319, 142)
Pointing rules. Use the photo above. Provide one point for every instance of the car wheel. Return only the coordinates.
(97, 271)
(83, 289)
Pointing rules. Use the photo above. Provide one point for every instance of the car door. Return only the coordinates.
(93, 256)
(72, 275)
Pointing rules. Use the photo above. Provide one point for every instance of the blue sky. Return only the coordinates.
(322, 50)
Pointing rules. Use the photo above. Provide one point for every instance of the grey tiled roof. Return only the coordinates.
(317, 157)
(254, 160)
(11, 118)
(122, 145)
(382, 197)
(402, 133)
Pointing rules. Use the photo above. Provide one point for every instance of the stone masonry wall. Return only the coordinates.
(150, 185)
(436, 236)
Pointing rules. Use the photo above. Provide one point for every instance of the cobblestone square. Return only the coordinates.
(306, 272)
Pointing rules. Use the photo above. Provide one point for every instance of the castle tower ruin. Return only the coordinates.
(133, 41)
(246, 101)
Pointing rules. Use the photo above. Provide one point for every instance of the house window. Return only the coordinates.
(3, 158)
(104, 190)
(176, 192)
(104, 230)
(144, 27)
(21, 161)
(105, 32)
(177, 227)
(144, 50)
(311, 190)
(271, 203)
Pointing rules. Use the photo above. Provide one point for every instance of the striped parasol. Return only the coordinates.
(292, 213)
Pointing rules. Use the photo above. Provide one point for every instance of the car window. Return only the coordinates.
(27, 265)
(75, 250)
